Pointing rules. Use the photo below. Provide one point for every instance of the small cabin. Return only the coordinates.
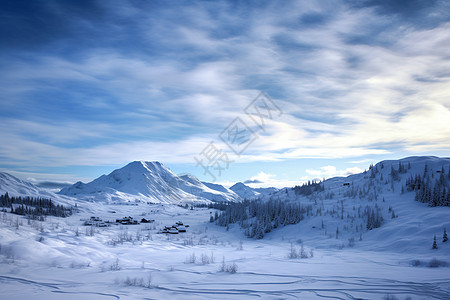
(173, 231)
(127, 221)
(144, 220)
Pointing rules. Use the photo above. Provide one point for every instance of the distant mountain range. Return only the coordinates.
(155, 183)
(152, 182)
(17, 187)
(246, 192)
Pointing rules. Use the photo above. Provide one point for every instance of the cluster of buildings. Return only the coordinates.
(175, 229)
(96, 221)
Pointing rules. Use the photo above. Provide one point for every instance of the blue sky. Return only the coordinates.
(88, 86)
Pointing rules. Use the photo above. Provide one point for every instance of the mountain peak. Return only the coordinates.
(147, 181)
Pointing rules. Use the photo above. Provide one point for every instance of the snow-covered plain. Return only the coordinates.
(62, 259)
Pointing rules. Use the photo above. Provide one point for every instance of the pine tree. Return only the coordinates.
(444, 237)
(434, 243)
(394, 174)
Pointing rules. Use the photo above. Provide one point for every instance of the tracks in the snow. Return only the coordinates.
(267, 285)
(55, 287)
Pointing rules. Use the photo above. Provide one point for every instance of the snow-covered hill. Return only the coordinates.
(244, 191)
(18, 187)
(148, 182)
(339, 208)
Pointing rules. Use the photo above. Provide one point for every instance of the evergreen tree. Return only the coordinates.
(394, 174)
(434, 243)
(372, 173)
(444, 237)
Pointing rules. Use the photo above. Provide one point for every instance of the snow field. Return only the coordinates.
(155, 266)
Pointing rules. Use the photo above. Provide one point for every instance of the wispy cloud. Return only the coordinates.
(124, 81)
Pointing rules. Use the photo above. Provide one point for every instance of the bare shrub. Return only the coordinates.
(230, 268)
(435, 263)
(191, 259)
(416, 263)
(240, 246)
(137, 281)
(303, 253)
(292, 253)
(90, 231)
(115, 266)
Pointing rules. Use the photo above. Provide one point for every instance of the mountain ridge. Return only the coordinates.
(149, 182)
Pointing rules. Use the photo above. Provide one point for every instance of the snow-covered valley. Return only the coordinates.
(329, 254)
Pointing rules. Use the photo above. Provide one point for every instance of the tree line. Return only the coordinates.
(308, 188)
(431, 189)
(34, 207)
(259, 218)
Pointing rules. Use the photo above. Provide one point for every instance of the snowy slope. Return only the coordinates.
(17, 187)
(219, 187)
(148, 182)
(266, 191)
(244, 191)
(213, 192)
(337, 213)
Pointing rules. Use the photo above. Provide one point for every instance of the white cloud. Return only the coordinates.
(331, 171)
(262, 177)
(339, 99)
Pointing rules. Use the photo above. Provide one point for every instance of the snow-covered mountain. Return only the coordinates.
(266, 191)
(219, 187)
(17, 187)
(213, 192)
(149, 182)
(246, 192)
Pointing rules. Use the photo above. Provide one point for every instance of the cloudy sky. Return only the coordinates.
(88, 86)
